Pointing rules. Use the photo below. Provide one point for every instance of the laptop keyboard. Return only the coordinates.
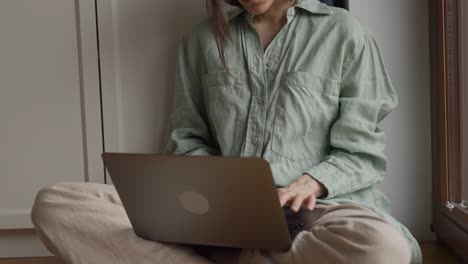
(302, 220)
(296, 221)
(295, 228)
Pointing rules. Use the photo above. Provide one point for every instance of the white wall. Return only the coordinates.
(401, 28)
(139, 41)
(138, 48)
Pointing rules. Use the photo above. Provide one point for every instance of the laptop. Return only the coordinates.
(208, 201)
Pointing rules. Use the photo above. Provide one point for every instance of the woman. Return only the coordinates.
(299, 84)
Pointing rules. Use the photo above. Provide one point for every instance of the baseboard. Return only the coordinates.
(15, 218)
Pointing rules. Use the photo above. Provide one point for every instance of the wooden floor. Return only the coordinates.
(47, 260)
(433, 253)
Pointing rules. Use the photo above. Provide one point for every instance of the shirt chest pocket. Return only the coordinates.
(223, 93)
(224, 99)
(307, 106)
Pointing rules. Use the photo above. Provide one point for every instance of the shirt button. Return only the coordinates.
(269, 64)
(254, 140)
(259, 100)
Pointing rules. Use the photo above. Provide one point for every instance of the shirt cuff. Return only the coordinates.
(333, 179)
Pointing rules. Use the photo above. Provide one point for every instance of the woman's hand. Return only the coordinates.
(301, 193)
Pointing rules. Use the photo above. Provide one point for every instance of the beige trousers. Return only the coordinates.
(86, 223)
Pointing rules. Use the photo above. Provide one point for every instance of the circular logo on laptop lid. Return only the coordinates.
(194, 202)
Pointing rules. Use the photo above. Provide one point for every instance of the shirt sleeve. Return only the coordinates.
(356, 160)
(188, 130)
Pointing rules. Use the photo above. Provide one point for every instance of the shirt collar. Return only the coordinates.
(312, 6)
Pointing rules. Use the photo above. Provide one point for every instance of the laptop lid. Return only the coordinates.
(218, 201)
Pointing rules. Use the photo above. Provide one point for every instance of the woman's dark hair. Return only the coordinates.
(219, 23)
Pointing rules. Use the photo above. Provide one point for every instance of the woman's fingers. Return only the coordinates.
(285, 195)
(297, 203)
(297, 199)
(309, 203)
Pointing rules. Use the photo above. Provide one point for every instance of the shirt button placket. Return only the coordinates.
(253, 127)
(254, 140)
(257, 140)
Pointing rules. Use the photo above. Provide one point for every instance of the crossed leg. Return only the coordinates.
(86, 223)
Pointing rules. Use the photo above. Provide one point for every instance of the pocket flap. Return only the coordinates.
(312, 81)
(222, 78)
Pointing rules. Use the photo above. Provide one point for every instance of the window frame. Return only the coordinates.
(450, 218)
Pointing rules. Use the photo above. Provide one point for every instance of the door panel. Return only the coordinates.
(46, 124)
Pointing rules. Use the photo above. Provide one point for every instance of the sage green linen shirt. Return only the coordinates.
(310, 103)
